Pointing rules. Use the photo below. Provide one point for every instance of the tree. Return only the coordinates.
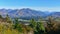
(0, 16)
(33, 24)
(40, 28)
(8, 19)
(17, 25)
(9, 22)
(51, 26)
(37, 27)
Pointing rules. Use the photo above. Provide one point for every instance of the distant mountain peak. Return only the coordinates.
(27, 13)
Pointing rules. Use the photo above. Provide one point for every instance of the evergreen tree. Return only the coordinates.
(8, 19)
(50, 25)
(33, 24)
(0, 16)
(41, 28)
(18, 26)
(37, 26)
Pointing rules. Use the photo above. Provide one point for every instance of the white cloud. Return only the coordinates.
(50, 9)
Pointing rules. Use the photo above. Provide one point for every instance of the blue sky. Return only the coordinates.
(44, 5)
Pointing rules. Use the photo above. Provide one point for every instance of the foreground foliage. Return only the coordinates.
(7, 26)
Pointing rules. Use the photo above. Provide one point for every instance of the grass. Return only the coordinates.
(7, 30)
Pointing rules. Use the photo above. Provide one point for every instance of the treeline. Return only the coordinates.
(15, 27)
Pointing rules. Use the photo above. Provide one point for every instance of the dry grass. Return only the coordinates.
(6, 28)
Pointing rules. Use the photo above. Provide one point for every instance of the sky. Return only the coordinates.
(43, 5)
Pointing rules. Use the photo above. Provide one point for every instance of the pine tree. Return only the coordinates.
(18, 25)
(41, 28)
(8, 19)
(50, 25)
(0, 16)
(33, 24)
(38, 27)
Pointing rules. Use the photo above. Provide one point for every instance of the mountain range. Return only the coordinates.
(27, 13)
